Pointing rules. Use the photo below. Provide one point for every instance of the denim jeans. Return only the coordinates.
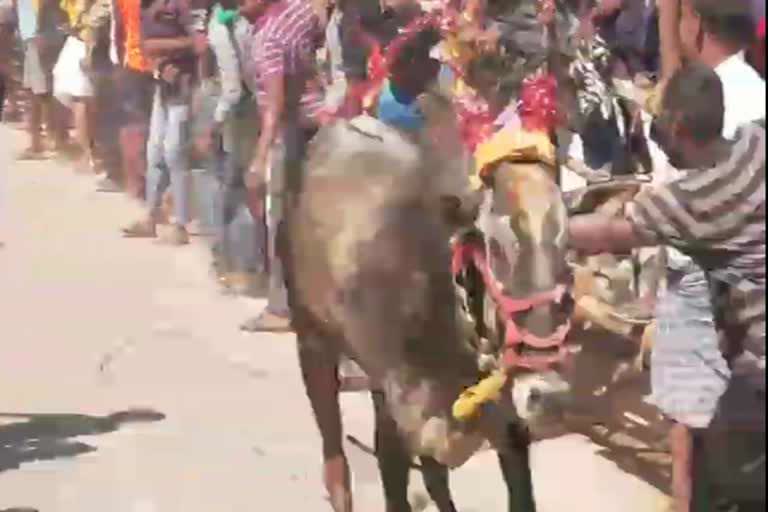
(239, 240)
(277, 298)
(168, 156)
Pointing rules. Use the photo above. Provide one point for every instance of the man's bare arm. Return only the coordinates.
(272, 113)
(161, 48)
(669, 29)
(594, 233)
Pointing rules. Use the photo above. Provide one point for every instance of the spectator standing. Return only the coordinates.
(626, 25)
(120, 21)
(282, 62)
(39, 28)
(72, 84)
(172, 43)
(7, 43)
(225, 131)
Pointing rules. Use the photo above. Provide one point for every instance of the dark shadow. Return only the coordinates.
(36, 437)
(637, 447)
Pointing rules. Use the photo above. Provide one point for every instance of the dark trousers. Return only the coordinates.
(296, 140)
(3, 89)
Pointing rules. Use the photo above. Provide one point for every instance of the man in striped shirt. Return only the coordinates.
(716, 215)
(282, 65)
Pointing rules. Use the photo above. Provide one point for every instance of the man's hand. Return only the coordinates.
(170, 73)
(256, 177)
(200, 43)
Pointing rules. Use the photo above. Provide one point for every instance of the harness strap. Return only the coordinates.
(465, 254)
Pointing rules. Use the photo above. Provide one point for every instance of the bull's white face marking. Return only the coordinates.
(534, 395)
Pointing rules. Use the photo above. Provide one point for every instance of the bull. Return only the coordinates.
(368, 258)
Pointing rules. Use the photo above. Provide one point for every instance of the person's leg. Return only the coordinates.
(3, 94)
(702, 497)
(34, 82)
(276, 317)
(157, 175)
(57, 123)
(137, 97)
(81, 110)
(681, 445)
(176, 155)
(34, 124)
(107, 119)
(133, 150)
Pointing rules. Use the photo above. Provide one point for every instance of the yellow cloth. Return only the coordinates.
(72, 9)
(468, 405)
(513, 145)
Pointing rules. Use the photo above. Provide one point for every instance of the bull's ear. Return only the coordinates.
(592, 197)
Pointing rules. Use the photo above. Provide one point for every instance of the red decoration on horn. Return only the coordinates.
(538, 107)
(475, 121)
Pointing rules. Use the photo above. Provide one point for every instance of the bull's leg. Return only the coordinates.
(516, 469)
(436, 480)
(322, 386)
(392, 454)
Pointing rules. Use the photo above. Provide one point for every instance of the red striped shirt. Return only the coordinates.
(284, 42)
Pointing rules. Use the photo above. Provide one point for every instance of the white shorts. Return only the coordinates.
(69, 79)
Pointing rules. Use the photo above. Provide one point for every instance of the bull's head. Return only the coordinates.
(524, 220)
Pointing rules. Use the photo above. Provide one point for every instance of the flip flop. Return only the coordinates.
(29, 155)
(139, 230)
(267, 322)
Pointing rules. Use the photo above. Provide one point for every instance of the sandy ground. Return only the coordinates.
(92, 325)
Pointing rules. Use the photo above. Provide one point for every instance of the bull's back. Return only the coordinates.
(372, 258)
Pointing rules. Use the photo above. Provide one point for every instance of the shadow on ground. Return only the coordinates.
(631, 432)
(40, 437)
(612, 412)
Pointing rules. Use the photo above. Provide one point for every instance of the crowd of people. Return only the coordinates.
(203, 111)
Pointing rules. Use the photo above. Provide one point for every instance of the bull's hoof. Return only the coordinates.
(471, 401)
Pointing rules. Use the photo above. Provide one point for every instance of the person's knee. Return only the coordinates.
(176, 156)
(154, 151)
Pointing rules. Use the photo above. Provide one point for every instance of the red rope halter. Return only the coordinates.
(466, 254)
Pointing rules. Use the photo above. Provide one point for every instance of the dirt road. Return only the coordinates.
(126, 386)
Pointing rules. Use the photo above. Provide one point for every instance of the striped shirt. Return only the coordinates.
(284, 42)
(717, 216)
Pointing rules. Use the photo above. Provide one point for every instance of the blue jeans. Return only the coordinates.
(239, 239)
(168, 156)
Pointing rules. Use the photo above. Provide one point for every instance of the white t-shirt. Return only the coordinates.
(744, 91)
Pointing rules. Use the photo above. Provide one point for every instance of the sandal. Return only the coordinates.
(267, 322)
(141, 229)
(31, 155)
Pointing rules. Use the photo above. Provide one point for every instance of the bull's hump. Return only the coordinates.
(366, 138)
